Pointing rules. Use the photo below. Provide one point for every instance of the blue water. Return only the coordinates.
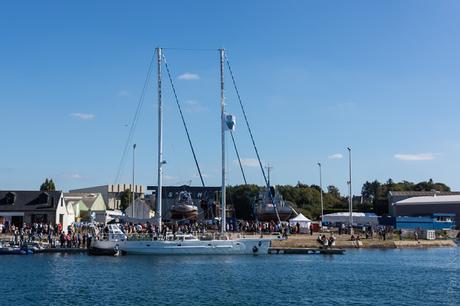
(361, 277)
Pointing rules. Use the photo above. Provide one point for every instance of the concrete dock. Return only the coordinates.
(62, 250)
(306, 251)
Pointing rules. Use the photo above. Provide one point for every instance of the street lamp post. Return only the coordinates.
(132, 188)
(321, 193)
(350, 203)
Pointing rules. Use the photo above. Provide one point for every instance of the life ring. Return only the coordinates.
(255, 249)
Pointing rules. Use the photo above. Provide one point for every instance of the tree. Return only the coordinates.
(333, 191)
(125, 199)
(430, 185)
(241, 197)
(316, 187)
(371, 190)
(48, 185)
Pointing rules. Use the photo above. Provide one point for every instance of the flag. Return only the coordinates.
(230, 121)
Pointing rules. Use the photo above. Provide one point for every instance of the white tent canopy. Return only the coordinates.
(303, 221)
(300, 218)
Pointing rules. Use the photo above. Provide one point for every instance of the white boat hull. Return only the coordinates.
(243, 246)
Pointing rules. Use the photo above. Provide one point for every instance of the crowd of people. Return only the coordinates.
(326, 242)
(75, 236)
(147, 229)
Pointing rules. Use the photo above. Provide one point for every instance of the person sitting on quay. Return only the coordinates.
(332, 240)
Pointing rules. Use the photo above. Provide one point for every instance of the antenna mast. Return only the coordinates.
(222, 123)
(160, 143)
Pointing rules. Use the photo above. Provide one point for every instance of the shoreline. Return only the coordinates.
(344, 242)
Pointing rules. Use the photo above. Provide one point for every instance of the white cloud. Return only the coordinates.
(415, 157)
(123, 93)
(169, 177)
(248, 162)
(335, 156)
(189, 76)
(83, 116)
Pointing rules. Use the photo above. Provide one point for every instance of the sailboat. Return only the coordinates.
(186, 244)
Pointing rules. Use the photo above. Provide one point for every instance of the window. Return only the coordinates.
(10, 198)
(39, 218)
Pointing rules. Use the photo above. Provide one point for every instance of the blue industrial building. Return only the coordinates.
(433, 222)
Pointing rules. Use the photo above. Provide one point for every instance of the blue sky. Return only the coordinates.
(315, 76)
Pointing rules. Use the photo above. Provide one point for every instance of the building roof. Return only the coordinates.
(436, 199)
(355, 214)
(87, 198)
(421, 193)
(186, 188)
(22, 200)
(115, 188)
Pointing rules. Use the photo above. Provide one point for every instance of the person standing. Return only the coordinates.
(88, 240)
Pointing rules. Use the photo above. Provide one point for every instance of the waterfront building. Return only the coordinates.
(112, 193)
(359, 218)
(428, 206)
(140, 209)
(86, 205)
(397, 196)
(20, 206)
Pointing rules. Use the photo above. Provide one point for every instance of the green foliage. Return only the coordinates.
(308, 198)
(48, 185)
(242, 197)
(333, 191)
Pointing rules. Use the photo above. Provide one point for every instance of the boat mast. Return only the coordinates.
(160, 142)
(222, 123)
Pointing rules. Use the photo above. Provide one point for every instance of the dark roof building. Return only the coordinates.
(15, 200)
(19, 206)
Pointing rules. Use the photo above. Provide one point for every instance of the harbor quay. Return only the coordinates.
(78, 237)
(85, 219)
